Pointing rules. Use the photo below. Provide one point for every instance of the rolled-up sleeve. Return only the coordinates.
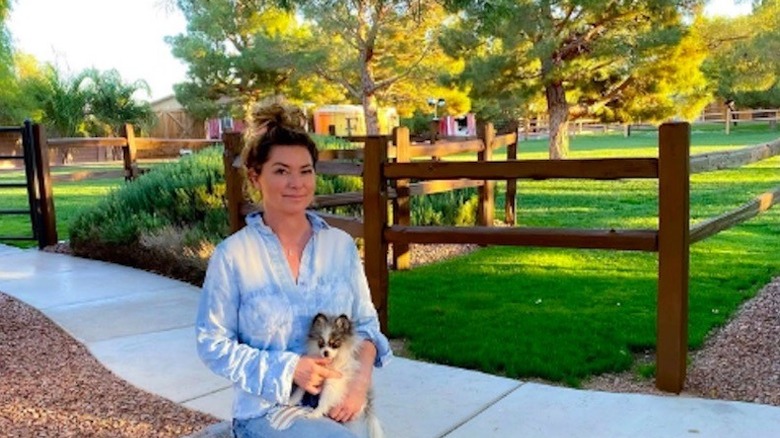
(364, 313)
(268, 374)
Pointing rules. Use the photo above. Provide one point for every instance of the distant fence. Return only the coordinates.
(134, 148)
(731, 118)
(539, 126)
(39, 180)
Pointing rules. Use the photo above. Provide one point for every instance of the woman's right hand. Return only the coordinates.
(311, 372)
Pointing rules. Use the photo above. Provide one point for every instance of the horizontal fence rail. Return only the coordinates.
(712, 226)
(607, 168)
(630, 240)
(83, 142)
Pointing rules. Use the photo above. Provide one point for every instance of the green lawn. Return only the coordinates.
(562, 314)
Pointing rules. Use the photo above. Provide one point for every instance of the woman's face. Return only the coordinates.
(287, 180)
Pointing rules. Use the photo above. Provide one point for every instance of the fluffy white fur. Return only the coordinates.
(334, 338)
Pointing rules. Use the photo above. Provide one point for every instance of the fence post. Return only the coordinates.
(728, 120)
(673, 255)
(48, 221)
(129, 152)
(510, 204)
(487, 134)
(527, 128)
(433, 129)
(401, 203)
(31, 178)
(374, 223)
(234, 182)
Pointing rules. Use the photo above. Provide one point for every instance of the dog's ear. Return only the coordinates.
(321, 320)
(343, 323)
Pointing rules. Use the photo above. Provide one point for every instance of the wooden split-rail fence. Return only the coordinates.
(387, 167)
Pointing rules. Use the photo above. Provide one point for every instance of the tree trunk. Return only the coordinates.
(369, 102)
(558, 110)
(370, 114)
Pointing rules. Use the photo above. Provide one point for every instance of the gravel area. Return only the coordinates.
(424, 254)
(53, 387)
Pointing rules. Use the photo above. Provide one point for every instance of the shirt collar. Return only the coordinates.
(255, 220)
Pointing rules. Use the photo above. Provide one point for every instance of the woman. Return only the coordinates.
(266, 282)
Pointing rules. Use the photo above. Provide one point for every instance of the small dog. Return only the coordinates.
(334, 338)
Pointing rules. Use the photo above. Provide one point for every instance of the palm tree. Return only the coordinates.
(112, 103)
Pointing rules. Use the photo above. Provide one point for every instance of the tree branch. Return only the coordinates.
(338, 79)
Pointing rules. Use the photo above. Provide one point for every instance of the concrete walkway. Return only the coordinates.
(140, 326)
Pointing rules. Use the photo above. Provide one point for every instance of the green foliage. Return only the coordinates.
(239, 52)
(188, 194)
(767, 98)
(419, 123)
(520, 53)
(382, 53)
(743, 61)
(325, 142)
(12, 107)
(111, 103)
(457, 207)
(91, 103)
(61, 100)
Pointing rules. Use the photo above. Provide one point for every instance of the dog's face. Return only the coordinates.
(329, 334)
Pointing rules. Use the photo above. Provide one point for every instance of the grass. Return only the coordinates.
(564, 315)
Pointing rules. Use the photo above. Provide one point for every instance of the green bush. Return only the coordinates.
(419, 123)
(167, 220)
(325, 142)
(188, 194)
(457, 207)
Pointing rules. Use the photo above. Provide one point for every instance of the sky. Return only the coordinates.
(127, 35)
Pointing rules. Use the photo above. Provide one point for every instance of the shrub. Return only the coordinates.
(173, 212)
(457, 207)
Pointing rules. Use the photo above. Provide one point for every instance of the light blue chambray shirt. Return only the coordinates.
(253, 318)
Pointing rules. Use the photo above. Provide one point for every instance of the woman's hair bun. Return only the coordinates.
(275, 112)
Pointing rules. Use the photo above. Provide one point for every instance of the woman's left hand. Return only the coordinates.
(355, 399)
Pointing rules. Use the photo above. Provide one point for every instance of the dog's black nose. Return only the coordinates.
(326, 353)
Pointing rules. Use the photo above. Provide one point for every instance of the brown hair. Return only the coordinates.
(274, 123)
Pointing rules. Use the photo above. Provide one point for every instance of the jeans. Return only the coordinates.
(302, 428)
